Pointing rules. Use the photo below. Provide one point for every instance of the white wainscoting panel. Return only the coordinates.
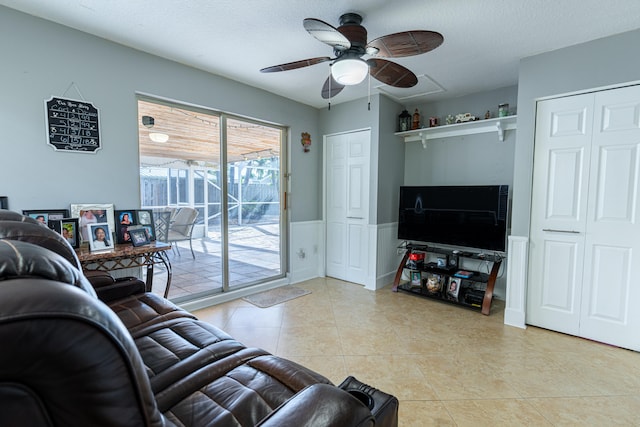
(306, 250)
(387, 255)
(515, 305)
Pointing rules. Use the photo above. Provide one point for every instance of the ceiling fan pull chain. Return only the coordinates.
(369, 93)
(330, 79)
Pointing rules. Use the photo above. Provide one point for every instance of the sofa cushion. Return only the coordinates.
(137, 312)
(239, 390)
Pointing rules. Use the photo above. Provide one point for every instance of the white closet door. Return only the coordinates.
(347, 198)
(336, 206)
(611, 287)
(585, 236)
(558, 216)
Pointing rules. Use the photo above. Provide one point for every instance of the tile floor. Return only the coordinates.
(447, 365)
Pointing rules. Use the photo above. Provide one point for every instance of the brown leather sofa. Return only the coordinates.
(130, 358)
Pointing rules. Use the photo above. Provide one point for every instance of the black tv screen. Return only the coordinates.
(473, 216)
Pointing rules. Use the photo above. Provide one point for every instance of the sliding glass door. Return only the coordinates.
(254, 224)
(191, 157)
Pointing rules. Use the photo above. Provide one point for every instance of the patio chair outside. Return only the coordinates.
(181, 228)
(162, 219)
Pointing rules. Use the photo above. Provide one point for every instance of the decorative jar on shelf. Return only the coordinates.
(416, 120)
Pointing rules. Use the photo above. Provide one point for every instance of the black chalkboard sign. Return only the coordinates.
(72, 125)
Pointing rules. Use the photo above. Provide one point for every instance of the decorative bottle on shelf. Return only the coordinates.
(416, 120)
(404, 121)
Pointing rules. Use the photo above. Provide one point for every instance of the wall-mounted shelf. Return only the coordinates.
(499, 125)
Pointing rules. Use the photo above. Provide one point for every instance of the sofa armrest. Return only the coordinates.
(320, 405)
(109, 289)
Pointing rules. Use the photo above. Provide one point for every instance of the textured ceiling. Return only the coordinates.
(483, 40)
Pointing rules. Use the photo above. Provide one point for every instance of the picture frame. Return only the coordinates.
(69, 229)
(46, 215)
(145, 219)
(92, 213)
(129, 219)
(139, 237)
(124, 220)
(100, 240)
(453, 287)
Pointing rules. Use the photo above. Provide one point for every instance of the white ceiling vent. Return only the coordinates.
(426, 86)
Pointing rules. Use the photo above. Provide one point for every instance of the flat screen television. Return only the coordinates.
(473, 216)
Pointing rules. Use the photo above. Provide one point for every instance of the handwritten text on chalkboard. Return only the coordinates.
(72, 125)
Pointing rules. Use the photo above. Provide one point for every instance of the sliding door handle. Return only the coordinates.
(552, 230)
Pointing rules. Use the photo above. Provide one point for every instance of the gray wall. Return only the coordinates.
(41, 59)
(463, 160)
(609, 61)
(391, 165)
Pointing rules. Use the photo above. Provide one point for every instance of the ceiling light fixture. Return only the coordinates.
(148, 122)
(158, 137)
(349, 71)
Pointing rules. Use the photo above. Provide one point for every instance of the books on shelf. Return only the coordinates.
(464, 274)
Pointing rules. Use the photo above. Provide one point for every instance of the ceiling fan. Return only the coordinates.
(349, 43)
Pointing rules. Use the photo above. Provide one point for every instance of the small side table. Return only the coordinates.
(128, 256)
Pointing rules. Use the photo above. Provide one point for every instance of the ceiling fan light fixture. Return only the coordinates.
(349, 71)
(158, 137)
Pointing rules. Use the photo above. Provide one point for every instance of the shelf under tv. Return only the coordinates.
(474, 289)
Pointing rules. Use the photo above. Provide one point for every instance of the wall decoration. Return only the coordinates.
(306, 141)
(72, 125)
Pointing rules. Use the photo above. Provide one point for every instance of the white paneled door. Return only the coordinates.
(347, 205)
(584, 225)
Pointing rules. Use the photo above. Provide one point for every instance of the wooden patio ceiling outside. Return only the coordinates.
(195, 136)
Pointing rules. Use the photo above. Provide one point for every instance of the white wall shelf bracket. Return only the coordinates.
(423, 139)
(500, 131)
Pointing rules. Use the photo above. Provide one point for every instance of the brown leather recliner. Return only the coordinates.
(70, 359)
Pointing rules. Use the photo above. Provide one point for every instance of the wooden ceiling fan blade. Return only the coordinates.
(295, 65)
(391, 73)
(336, 88)
(326, 33)
(406, 43)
